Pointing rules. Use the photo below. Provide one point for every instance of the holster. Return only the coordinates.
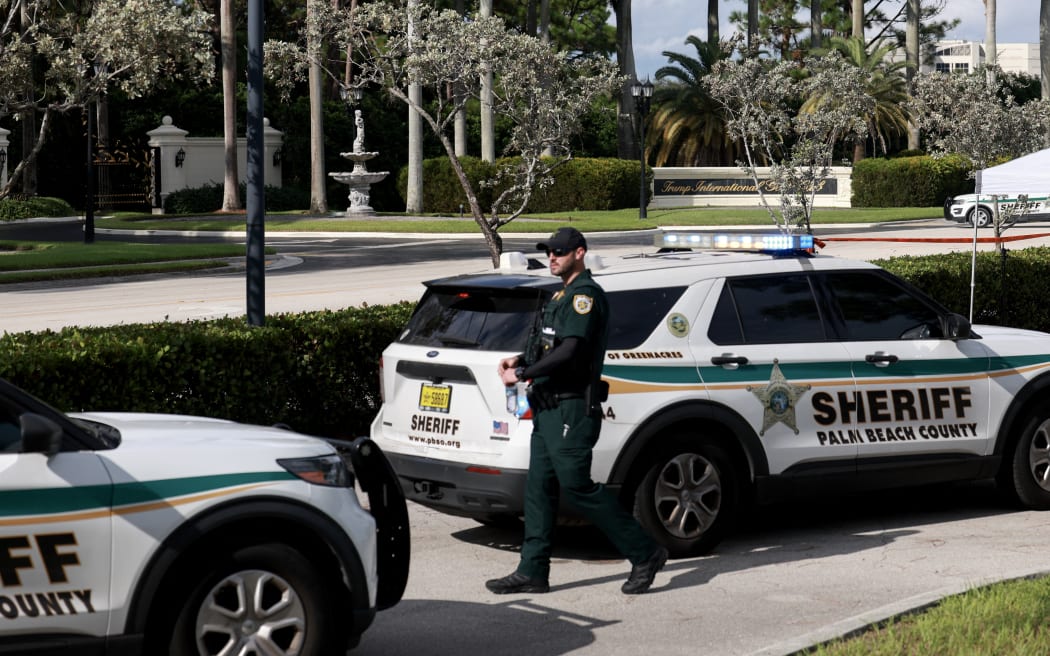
(596, 394)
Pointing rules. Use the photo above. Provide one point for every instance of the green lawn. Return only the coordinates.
(31, 261)
(1006, 619)
(589, 221)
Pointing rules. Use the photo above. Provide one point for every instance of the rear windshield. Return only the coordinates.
(500, 319)
(487, 320)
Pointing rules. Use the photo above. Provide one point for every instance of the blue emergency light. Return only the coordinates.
(756, 242)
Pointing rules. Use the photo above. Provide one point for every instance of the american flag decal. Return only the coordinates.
(500, 427)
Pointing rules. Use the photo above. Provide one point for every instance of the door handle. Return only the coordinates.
(729, 360)
(881, 359)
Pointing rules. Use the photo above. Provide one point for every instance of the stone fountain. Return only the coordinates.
(360, 179)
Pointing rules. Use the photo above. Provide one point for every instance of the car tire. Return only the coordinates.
(983, 216)
(265, 598)
(688, 499)
(1030, 463)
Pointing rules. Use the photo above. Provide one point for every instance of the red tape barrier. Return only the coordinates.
(935, 240)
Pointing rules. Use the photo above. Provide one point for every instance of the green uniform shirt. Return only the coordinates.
(579, 310)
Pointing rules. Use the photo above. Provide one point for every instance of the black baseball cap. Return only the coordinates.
(563, 239)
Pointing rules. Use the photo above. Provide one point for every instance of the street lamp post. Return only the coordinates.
(642, 92)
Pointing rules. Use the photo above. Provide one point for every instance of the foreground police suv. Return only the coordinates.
(747, 372)
(183, 536)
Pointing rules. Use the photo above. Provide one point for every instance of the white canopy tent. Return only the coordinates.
(1025, 175)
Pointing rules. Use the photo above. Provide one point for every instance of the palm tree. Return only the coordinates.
(912, 12)
(712, 21)
(1044, 46)
(687, 125)
(886, 83)
(231, 200)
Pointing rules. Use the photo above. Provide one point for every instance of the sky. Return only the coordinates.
(661, 25)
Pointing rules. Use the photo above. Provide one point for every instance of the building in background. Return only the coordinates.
(958, 56)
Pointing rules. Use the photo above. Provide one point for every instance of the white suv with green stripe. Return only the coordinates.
(170, 535)
(743, 373)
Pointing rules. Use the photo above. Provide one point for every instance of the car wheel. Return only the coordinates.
(688, 499)
(262, 599)
(1030, 464)
(983, 216)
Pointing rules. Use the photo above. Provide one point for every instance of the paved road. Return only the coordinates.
(335, 270)
(794, 576)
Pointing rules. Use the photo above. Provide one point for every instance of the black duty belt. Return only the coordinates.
(568, 395)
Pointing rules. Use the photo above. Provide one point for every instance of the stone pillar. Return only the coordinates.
(172, 143)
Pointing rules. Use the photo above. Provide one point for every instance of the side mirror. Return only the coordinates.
(955, 327)
(40, 434)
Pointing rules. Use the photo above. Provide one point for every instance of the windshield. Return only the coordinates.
(483, 319)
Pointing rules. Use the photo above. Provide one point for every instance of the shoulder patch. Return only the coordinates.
(582, 303)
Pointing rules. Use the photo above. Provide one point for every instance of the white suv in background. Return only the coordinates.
(128, 533)
(740, 368)
(1016, 209)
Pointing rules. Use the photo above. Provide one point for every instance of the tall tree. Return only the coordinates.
(816, 23)
(414, 191)
(857, 12)
(991, 56)
(771, 22)
(1044, 47)
(231, 197)
(626, 134)
(884, 83)
(687, 126)
(141, 44)
(460, 124)
(540, 92)
(315, 83)
(757, 94)
(488, 118)
(752, 25)
(28, 114)
(989, 126)
(911, 49)
(712, 22)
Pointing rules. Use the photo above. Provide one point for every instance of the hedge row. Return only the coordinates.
(579, 184)
(15, 208)
(318, 371)
(921, 181)
(208, 198)
(1008, 291)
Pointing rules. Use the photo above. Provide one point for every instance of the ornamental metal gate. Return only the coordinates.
(125, 180)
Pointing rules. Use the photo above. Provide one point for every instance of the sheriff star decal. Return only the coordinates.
(778, 400)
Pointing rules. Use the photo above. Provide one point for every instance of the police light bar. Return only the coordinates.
(767, 243)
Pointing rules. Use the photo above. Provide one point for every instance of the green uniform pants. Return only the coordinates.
(560, 459)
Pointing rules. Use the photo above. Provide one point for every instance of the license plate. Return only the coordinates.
(434, 397)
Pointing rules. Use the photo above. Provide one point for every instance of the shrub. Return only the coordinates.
(909, 181)
(316, 371)
(208, 198)
(1008, 291)
(580, 184)
(15, 208)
